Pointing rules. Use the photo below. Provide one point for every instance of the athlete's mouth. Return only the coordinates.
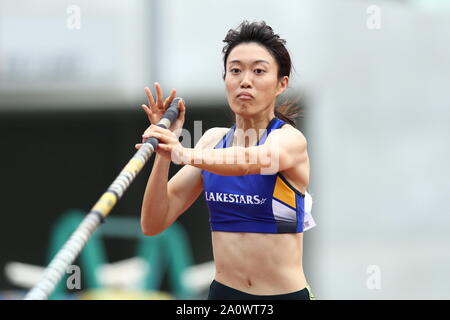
(245, 96)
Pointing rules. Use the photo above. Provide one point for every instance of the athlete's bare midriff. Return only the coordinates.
(259, 263)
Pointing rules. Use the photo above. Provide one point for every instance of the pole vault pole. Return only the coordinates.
(73, 246)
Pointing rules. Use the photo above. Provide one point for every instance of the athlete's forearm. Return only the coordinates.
(233, 161)
(155, 204)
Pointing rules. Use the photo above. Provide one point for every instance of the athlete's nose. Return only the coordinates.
(246, 81)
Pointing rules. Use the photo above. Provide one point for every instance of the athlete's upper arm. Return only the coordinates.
(287, 146)
(186, 185)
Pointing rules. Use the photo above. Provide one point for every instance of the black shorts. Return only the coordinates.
(219, 291)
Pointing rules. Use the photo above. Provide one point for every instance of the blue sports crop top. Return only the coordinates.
(255, 203)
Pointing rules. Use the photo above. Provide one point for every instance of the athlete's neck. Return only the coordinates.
(253, 128)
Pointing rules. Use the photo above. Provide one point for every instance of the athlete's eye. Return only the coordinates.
(259, 71)
(235, 70)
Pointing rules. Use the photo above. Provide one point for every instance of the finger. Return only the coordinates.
(163, 147)
(154, 134)
(148, 112)
(182, 109)
(138, 145)
(169, 99)
(151, 100)
(152, 116)
(159, 95)
(178, 123)
(148, 92)
(152, 131)
(156, 129)
(148, 131)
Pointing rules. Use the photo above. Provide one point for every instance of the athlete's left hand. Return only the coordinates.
(169, 146)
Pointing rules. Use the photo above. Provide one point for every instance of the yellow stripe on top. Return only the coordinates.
(134, 166)
(283, 193)
(105, 203)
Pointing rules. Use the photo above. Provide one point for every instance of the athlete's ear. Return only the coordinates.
(282, 85)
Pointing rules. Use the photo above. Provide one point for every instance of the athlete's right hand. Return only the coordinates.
(156, 109)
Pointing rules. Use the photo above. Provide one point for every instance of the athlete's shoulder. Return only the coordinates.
(211, 137)
(289, 131)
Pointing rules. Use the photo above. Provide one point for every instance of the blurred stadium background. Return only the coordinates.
(373, 78)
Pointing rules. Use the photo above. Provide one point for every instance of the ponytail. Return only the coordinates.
(289, 112)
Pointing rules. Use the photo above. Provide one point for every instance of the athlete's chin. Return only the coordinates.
(243, 109)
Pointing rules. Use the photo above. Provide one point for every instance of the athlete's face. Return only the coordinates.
(251, 80)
